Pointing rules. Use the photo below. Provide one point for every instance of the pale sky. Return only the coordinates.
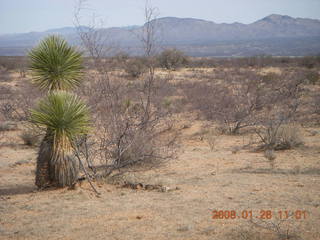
(18, 16)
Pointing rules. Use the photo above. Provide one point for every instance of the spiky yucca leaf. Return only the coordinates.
(64, 116)
(55, 64)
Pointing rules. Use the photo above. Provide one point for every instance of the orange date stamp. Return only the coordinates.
(260, 214)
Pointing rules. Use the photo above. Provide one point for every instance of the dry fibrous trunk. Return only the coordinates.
(55, 169)
(64, 170)
(43, 179)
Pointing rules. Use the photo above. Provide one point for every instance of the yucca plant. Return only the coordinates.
(55, 65)
(64, 117)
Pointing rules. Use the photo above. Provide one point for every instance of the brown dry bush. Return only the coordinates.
(172, 59)
(278, 136)
(312, 77)
(277, 129)
(135, 67)
(309, 62)
(132, 118)
(239, 99)
(232, 102)
(14, 63)
(133, 123)
(15, 104)
(243, 62)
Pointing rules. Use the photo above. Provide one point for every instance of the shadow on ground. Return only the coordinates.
(17, 190)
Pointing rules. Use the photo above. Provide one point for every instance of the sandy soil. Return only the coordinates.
(207, 180)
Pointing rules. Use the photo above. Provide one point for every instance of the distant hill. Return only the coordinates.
(273, 35)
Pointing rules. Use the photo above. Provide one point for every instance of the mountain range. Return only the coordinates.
(277, 35)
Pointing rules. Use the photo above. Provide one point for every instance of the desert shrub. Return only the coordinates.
(256, 61)
(30, 138)
(134, 122)
(135, 67)
(232, 103)
(172, 59)
(120, 57)
(13, 63)
(280, 136)
(238, 99)
(308, 62)
(15, 104)
(8, 63)
(4, 75)
(313, 77)
(289, 137)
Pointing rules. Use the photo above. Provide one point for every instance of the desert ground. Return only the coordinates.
(199, 180)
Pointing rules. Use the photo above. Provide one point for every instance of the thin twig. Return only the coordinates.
(86, 173)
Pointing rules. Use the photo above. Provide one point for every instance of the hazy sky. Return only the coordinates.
(39, 15)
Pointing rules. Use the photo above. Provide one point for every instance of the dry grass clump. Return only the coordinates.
(289, 137)
(280, 137)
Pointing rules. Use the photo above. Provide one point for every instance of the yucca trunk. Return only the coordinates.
(64, 169)
(56, 166)
(43, 179)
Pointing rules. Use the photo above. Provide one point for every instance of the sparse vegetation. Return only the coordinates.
(134, 68)
(172, 59)
(280, 137)
(130, 137)
(200, 147)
